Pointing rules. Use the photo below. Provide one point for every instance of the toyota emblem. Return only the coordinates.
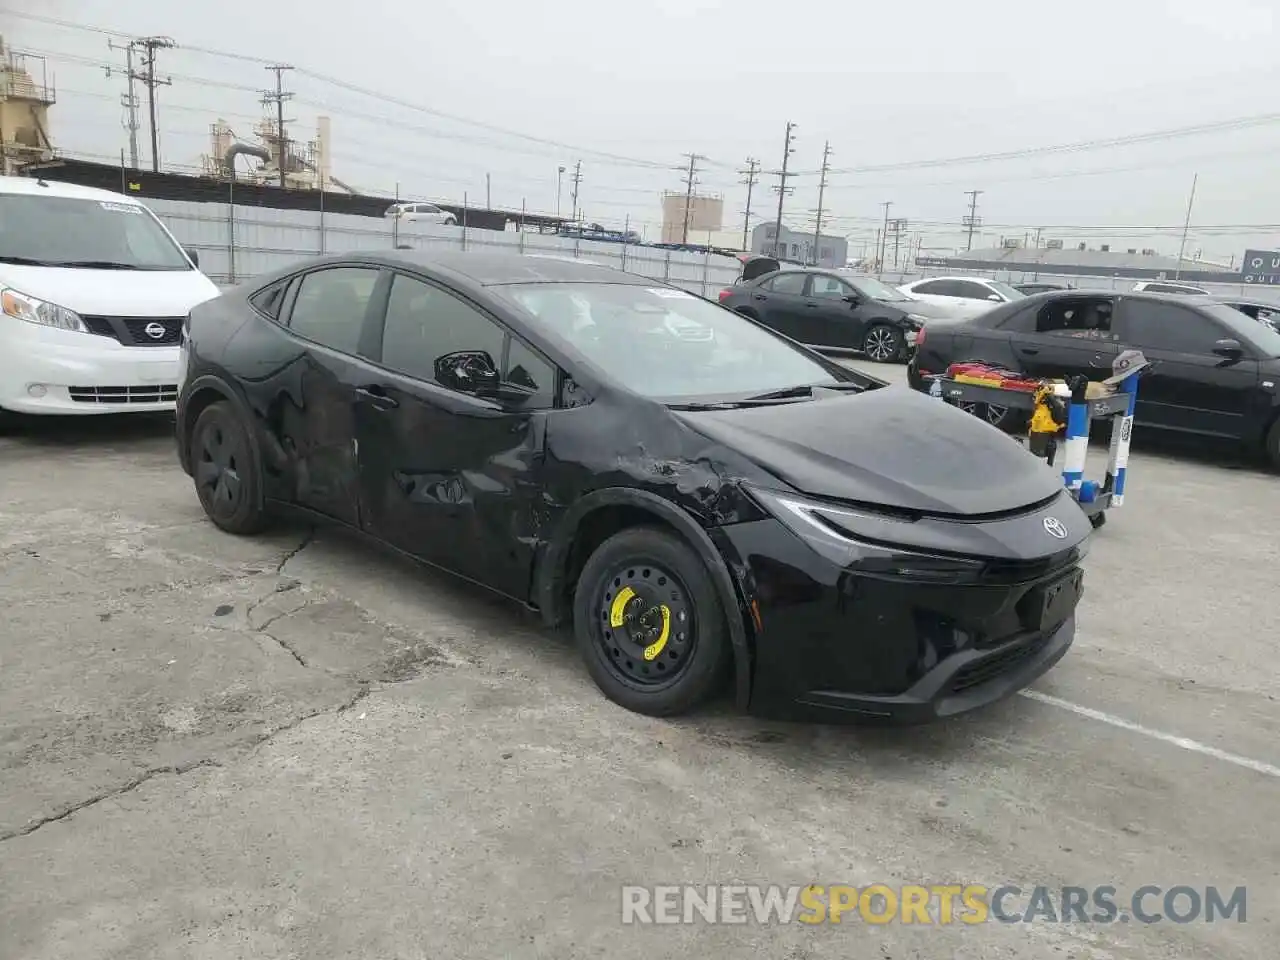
(155, 331)
(1055, 528)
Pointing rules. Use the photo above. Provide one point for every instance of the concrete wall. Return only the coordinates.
(237, 244)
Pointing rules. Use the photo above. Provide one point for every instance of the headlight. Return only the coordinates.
(830, 530)
(917, 319)
(22, 307)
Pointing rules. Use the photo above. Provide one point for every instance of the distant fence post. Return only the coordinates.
(522, 203)
(465, 207)
(666, 267)
(706, 266)
(322, 229)
(395, 222)
(231, 227)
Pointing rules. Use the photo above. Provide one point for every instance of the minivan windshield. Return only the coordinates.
(75, 232)
(664, 343)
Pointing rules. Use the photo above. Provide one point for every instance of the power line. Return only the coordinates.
(128, 100)
(278, 97)
(972, 221)
(782, 187)
(822, 189)
(753, 165)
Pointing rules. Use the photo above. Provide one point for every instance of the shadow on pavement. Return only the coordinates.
(36, 432)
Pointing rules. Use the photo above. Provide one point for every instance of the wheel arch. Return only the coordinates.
(602, 513)
(203, 393)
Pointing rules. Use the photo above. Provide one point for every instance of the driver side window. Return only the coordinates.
(828, 288)
(424, 323)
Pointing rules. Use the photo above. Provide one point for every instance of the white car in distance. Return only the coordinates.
(420, 213)
(962, 296)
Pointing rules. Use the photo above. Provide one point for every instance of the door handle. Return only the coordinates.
(1029, 351)
(760, 296)
(378, 397)
(812, 304)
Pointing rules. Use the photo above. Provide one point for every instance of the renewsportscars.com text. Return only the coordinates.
(941, 904)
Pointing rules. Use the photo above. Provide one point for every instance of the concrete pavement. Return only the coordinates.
(297, 746)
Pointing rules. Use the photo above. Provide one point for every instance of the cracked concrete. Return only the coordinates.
(295, 746)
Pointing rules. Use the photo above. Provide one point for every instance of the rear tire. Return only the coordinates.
(649, 623)
(884, 344)
(1272, 448)
(226, 476)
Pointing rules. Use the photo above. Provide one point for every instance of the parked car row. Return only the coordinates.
(1216, 371)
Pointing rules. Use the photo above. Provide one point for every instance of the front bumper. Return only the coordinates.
(59, 372)
(838, 645)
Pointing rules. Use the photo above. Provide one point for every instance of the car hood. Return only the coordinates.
(123, 293)
(890, 447)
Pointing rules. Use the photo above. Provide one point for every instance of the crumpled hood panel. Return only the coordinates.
(892, 447)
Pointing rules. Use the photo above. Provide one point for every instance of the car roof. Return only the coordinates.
(482, 268)
(55, 188)
(972, 279)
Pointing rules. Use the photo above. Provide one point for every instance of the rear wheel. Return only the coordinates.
(883, 343)
(227, 480)
(649, 623)
(1273, 446)
(1000, 417)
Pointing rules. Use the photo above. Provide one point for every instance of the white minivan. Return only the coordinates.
(93, 294)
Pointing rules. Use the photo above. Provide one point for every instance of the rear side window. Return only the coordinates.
(790, 283)
(331, 305)
(1083, 318)
(971, 291)
(268, 300)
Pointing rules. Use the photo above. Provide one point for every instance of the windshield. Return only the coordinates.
(875, 289)
(664, 343)
(1245, 328)
(1003, 288)
(69, 232)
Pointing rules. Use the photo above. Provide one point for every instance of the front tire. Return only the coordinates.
(649, 623)
(226, 476)
(883, 343)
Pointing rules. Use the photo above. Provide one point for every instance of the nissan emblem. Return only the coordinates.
(155, 331)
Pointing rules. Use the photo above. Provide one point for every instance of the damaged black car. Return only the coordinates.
(703, 500)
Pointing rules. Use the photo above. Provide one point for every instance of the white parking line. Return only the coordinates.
(1186, 744)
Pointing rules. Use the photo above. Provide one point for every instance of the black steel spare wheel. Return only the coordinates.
(225, 475)
(649, 623)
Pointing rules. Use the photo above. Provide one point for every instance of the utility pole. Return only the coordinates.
(779, 248)
(884, 238)
(822, 189)
(753, 166)
(1038, 230)
(576, 180)
(972, 221)
(689, 181)
(1186, 226)
(898, 226)
(278, 97)
(150, 45)
(488, 195)
(129, 100)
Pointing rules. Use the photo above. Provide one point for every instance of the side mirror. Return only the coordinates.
(1231, 349)
(193, 256)
(995, 298)
(468, 371)
(852, 298)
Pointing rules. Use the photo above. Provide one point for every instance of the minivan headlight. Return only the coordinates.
(23, 307)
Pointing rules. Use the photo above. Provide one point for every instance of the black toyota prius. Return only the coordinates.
(700, 498)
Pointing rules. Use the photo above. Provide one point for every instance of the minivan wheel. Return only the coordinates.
(883, 343)
(227, 481)
(649, 623)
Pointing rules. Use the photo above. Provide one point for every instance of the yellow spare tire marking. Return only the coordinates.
(651, 652)
(619, 605)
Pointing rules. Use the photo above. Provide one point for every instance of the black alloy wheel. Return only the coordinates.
(883, 343)
(649, 623)
(225, 475)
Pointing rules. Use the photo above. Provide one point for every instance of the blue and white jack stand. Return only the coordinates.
(1127, 367)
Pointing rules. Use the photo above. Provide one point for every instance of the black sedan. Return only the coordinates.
(699, 497)
(1216, 370)
(832, 310)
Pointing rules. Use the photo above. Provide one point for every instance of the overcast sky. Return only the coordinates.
(628, 88)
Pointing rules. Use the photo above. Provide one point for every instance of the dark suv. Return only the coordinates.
(1215, 370)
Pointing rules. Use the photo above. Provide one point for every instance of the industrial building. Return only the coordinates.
(688, 217)
(795, 245)
(1059, 259)
(24, 111)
